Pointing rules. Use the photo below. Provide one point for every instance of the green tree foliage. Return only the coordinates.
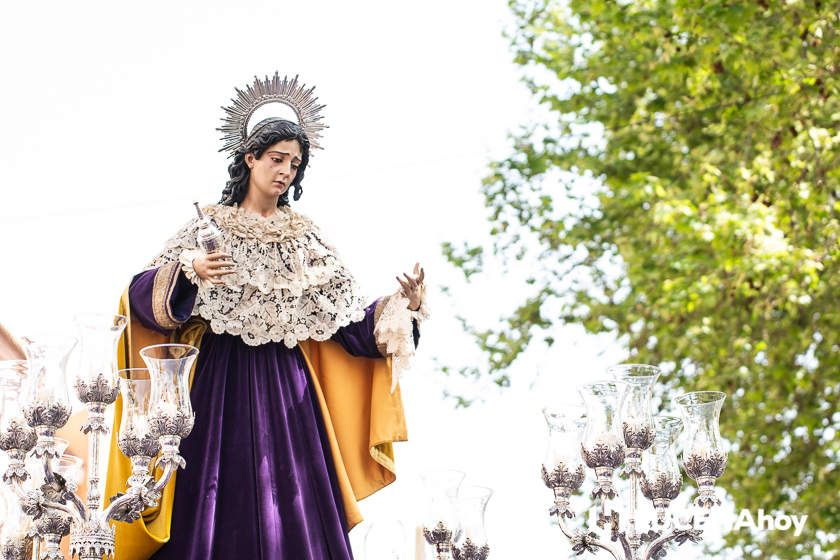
(683, 194)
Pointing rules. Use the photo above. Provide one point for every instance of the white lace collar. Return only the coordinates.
(283, 225)
(289, 284)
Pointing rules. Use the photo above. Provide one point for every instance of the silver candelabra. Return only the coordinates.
(156, 414)
(617, 429)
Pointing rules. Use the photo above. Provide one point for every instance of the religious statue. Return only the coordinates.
(295, 388)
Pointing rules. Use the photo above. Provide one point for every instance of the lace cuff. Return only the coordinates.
(394, 332)
(186, 259)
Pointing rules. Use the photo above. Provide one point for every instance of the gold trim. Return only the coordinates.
(377, 312)
(162, 289)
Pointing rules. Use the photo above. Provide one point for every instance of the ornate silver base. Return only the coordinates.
(561, 503)
(632, 462)
(604, 488)
(92, 541)
(45, 447)
(706, 492)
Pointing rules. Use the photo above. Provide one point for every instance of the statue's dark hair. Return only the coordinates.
(267, 133)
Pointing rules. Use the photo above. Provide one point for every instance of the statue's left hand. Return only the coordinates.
(413, 287)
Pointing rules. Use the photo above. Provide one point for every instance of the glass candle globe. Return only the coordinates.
(471, 542)
(704, 457)
(440, 518)
(603, 442)
(136, 436)
(96, 381)
(562, 468)
(661, 477)
(17, 437)
(635, 410)
(171, 415)
(46, 402)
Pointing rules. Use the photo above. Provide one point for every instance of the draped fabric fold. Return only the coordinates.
(361, 420)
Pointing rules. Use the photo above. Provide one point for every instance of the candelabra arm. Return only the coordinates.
(34, 500)
(564, 527)
(84, 514)
(49, 475)
(118, 504)
(657, 544)
(139, 496)
(72, 497)
(169, 468)
(587, 542)
(625, 546)
(689, 532)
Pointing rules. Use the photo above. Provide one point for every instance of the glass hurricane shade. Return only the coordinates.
(603, 444)
(562, 463)
(635, 409)
(136, 436)
(471, 508)
(441, 489)
(661, 477)
(702, 445)
(169, 366)
(46, 402)
(99, 335)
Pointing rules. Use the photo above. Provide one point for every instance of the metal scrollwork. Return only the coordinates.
(561, 477)
(50, 414)
(177, 424)
(584, 542)
(636, 436)
(663, 487)
(98, 390)
(131, 444)
(18, 436)
(603, 455)
(705, 465)
(439, 534)
(470, 551)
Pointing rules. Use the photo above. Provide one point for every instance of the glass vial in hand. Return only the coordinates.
(209, 236)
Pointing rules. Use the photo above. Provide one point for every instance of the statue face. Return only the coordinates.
(274, 171)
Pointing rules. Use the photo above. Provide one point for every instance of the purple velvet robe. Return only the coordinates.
(260, 480)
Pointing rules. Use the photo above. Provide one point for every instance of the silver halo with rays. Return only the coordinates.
(271, 90)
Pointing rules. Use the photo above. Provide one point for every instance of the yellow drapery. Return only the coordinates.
(361, 416)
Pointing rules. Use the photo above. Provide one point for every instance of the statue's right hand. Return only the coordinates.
(213, 266)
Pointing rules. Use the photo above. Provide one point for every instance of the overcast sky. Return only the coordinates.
(109, 118)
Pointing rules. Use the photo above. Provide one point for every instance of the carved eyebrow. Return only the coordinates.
(283, 154)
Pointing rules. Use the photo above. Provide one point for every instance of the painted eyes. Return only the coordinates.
(280, 160)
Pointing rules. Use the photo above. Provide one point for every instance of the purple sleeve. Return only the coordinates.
(358, 338)
(162, 298)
